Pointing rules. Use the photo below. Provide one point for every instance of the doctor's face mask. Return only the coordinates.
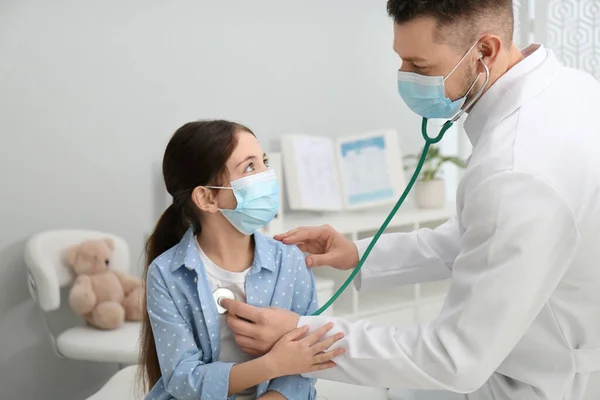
(424, 77)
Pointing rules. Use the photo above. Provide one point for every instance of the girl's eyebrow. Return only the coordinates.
(246, 159)
(250, 158)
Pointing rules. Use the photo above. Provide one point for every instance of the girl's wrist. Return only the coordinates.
(269, 365)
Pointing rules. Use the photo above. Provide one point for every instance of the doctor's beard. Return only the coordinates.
(471, 76)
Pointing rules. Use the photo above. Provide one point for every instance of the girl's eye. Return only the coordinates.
(266, 161)
(249, 168)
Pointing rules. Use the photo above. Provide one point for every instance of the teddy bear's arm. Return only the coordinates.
(82, 298)
(129, 282)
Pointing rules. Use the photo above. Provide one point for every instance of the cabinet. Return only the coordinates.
(394, 306)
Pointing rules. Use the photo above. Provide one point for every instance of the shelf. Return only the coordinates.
(434, 291)
(386, 300)
(350, 222)
(345, 303)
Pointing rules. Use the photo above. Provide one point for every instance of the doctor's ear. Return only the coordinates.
(489, 48)
(205, 199)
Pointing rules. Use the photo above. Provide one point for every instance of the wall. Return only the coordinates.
(91, 90)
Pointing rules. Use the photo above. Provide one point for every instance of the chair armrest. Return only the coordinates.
(42, 280)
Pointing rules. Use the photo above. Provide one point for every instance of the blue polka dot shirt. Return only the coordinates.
(185, 321)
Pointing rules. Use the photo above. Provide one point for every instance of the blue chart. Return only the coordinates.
(366, 175)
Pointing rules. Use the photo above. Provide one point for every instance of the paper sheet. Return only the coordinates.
(317, 175)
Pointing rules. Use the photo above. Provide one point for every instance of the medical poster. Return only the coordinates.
(326, 174)
(371, 169)
(311, 171)
(365, 170)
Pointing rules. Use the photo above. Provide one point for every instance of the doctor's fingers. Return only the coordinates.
(248, 345)
(252, 352)
(331, 258)
(241, 327)
(286, 235)
(306, 234)
(242, 310)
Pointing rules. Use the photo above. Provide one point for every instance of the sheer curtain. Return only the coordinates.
(570, 28)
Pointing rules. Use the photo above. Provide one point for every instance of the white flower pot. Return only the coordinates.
(430, 194)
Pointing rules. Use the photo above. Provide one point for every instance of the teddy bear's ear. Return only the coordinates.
(71, 255)
(110, 243)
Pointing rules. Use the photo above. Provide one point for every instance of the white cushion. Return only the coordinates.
(122, 386)
(86, 343)
(48, 272)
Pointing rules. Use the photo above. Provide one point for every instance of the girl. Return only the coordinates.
(223, 192)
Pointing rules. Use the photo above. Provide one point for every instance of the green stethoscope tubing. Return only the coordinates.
(429, 141)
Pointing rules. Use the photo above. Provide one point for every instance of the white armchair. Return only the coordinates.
(48, 274)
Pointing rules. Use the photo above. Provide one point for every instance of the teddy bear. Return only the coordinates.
(102, 295)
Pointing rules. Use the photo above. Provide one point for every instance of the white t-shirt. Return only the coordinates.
(234, 281)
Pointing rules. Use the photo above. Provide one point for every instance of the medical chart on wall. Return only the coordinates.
(355, 172)
(365, 170)
(311, 172)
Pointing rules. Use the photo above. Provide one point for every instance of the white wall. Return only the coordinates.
(90, 91)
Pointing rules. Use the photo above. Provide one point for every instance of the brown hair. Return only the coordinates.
(195, 156)
(467, 18)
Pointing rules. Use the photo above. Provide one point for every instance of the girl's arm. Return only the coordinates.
(186, 377)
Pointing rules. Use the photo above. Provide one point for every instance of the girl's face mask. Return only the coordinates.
(257, 201)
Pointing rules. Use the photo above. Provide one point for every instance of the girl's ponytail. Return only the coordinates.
(169, 230)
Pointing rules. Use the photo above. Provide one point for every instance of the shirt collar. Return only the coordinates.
(506, 94)
(186, 254)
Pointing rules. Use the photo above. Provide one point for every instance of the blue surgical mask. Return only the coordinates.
(426, 95)
(257, 202)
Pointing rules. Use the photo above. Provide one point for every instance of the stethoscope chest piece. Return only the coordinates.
(220, 294)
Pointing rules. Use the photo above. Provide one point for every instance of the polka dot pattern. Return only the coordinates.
(185, 321)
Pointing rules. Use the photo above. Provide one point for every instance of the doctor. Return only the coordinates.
(522, 318)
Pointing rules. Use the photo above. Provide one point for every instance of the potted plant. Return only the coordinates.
(430, 189)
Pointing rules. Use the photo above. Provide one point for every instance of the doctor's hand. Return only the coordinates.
(325, 245)
(258, 329)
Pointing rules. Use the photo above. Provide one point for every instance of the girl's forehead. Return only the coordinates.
(247, 146)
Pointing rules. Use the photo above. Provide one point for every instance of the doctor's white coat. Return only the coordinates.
(522, 318)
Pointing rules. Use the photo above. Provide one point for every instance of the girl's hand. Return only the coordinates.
(294, 354)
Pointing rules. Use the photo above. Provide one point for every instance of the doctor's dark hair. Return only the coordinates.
(467, 18)
(195, 156)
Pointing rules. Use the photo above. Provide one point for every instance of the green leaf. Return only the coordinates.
(434, 162)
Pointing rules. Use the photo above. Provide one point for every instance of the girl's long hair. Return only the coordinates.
(195, 156)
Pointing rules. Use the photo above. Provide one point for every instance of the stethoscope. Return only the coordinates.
(222, 293)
